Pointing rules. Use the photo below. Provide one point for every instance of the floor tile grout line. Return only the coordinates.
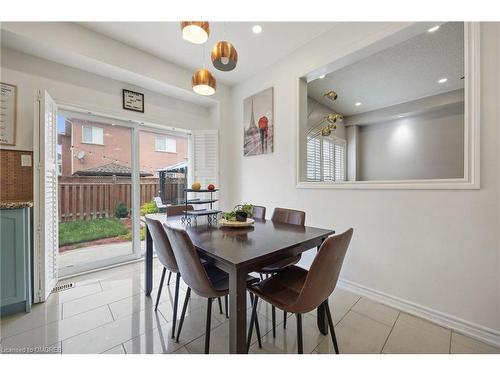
(390, 332)
(347, 312)
(375, 320)
(111, 312)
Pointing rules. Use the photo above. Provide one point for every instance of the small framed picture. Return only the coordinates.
(133, 101)
(8, 109)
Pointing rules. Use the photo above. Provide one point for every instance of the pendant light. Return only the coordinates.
(204, 82)
(224, 56)
(196, 32)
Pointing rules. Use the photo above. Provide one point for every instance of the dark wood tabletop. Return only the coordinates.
(239, 251)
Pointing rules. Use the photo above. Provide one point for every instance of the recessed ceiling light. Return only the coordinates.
(442, 80)
(257, 29)
(321, 76)
(432, 29)
(401, 116)
(358, 104)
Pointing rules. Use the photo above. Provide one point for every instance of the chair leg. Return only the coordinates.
(161, 287)
(169, 276)
(331, 326)
(176, 302)
(220, 305)
(273, 316)
(252, 321)
(184, 307)
(300, 348)
(284, 319)
(207, 330)
(226, 302)
(257, 328)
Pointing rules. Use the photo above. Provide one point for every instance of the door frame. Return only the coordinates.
(136, 126)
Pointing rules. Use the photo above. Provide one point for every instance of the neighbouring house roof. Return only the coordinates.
(174, 167)
(110, 169)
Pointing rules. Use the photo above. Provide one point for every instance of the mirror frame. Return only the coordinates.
(471, 179)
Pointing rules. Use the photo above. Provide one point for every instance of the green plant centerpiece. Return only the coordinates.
(240, 213)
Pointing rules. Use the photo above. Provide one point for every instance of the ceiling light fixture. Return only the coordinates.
(196, 32)
(357, 104)
(432, 29)
(224, 56)
(442, 80)
(257, 29)
(321, 76)
(204, 82)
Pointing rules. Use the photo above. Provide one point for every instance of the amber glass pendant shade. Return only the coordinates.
(204, 82)
(224, 56)
(196, 32)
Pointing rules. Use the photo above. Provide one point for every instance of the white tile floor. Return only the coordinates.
(107, 312)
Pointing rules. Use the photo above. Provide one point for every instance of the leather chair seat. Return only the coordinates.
(283, 289)
(280, 264)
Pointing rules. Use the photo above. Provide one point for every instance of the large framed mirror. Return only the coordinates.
(401, 114)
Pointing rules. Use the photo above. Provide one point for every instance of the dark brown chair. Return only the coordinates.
(298, 291)
(177, 210)
(287, 216)
(167, 260)
(205, 280)
(259, 212)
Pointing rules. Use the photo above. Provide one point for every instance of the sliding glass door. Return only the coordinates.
(96, 193)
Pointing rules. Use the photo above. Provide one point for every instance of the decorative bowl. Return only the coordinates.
(236, 224)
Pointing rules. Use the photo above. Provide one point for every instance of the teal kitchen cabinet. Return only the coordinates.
(15, 260)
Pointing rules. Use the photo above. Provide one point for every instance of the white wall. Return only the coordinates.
(435, 249)
(425, 146)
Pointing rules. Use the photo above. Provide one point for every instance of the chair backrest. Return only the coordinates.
(323, 273)
(288, 216)
(162, 244)
(192, 271)
(177, 210)
(259, 212)
(158, 202)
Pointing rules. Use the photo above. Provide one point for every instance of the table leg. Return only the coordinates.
(148, 259)
(237, 311)
(321, 317)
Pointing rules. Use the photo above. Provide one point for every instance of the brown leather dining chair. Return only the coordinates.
(176, 210)
(259, 212)
(205, 280)
(299, 291)
(287, 216)
(167, 260)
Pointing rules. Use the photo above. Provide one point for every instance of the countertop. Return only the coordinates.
(14, 205)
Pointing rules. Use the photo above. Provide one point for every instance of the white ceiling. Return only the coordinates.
(399, 74)
(255, 51)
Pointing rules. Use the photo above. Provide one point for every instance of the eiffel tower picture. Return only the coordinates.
(258, 114)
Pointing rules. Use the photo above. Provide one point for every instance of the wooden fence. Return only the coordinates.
(84, 198)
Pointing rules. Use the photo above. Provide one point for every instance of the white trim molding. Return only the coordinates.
(477, 331)
(471, 178)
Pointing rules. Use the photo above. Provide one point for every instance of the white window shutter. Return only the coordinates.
(325, 158)
(206, 157)
(46, 218)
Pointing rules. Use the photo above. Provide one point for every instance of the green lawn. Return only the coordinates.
(73, 232)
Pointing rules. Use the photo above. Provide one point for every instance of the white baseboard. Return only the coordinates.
(481, 333)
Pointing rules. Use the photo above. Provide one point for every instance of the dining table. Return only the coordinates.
(240, 251)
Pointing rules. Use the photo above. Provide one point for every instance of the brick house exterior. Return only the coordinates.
(105, 143)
